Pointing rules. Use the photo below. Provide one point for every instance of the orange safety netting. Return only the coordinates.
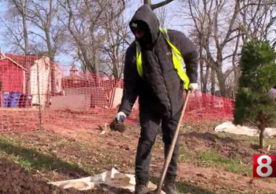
(36, 91)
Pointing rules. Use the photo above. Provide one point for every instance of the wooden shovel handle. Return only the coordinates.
(169, 156)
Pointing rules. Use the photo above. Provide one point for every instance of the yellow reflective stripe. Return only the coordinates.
(176, 57)
(139, 60)
(177, 61)
(181, 73)
(169, 42)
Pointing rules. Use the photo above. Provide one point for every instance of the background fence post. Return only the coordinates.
(38, 95)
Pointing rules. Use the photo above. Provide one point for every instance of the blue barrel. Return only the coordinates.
(6, 98)
(14, 99)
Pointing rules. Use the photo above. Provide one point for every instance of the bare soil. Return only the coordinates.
(16, 180)
(73, 139)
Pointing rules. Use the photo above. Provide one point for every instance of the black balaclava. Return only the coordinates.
(146, 39)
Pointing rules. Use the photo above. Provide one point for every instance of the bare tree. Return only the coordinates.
(81, 18)
(84, 21)
(50, 36)
(43, 15)
(17, 16)
(258, 20)
(16, 30)
(201, 33)
(221, 27)
(162, 14)
(39, 32)
(116, 39)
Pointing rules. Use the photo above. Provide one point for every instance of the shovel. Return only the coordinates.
(169, 156)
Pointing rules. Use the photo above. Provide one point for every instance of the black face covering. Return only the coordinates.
(145, 40)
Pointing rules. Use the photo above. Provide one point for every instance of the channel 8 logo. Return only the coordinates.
(264, 166)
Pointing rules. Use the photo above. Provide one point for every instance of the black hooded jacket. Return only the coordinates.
(161, 88)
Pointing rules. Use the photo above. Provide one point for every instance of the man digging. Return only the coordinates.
(154, 72)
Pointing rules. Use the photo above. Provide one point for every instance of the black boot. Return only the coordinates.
(169, 185)
(141, 187)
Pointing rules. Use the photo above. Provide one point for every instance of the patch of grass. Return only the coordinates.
(184, 154)
(213, 159)
(238, 137)
(188, 188)
(200, 127)
(185, 187)
(33, 160)
(210, 158)
(252, 140)
(62, 143)
(55, 155)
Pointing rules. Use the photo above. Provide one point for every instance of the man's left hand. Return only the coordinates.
(193, 86)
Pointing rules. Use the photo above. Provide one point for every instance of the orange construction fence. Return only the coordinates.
(36, 92)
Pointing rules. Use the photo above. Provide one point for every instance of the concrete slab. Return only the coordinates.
(97, 94)
(71, 102)
(116, 97)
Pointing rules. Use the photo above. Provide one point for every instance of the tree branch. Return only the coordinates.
(157, 5)
(231, 55)
(256, 4)
(232, 22)
(39, 35)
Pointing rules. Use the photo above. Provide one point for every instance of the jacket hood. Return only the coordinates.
(146, 15)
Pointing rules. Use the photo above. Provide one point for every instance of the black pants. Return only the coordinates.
(149, 126)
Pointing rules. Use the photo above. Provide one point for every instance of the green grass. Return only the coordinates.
(210, 158)
(184, 154)
(213, 159)
(200, 127)
(189, 188)
(33, 160)
(252, 140)
(185, 187)
(48, 159)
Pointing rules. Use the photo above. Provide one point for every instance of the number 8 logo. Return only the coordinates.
(267, 165)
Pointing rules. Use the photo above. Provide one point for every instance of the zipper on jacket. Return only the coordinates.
(166, 91)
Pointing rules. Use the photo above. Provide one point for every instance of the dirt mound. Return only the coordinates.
(16, 180)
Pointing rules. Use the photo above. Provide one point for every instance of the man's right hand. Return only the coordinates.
(121, 116)
(193, 86)
(272, 93)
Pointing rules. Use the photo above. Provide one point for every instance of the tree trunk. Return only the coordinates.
(205, 79)
(261, 136)
(96, 65)
(201, 75)
(262, 124)
(53, 80)
(53, 72)
(147, 2)
(201, 64)
(26, 45)
(51, 56)
(213, 81)
(221, 82)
